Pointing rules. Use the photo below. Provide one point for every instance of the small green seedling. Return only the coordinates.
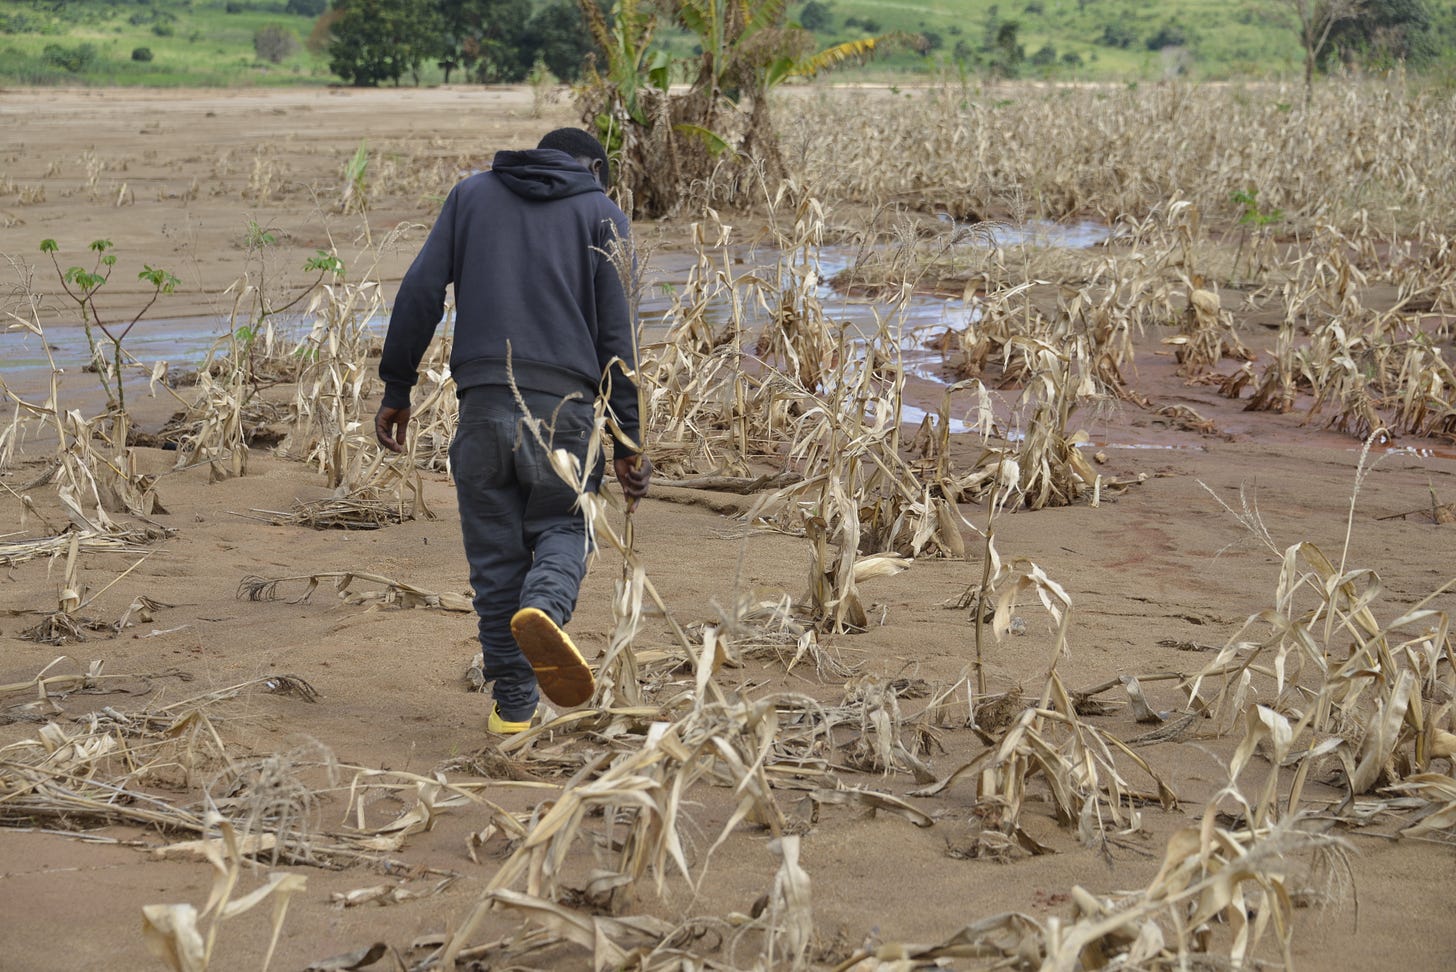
(1256, 219)
(82, 284)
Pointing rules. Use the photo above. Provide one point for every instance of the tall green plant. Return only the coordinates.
(624, 99)
(664, 142)
(631, 70)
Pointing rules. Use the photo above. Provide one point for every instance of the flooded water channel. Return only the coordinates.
(184, 342)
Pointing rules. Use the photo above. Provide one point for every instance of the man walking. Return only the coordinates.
(540, 313)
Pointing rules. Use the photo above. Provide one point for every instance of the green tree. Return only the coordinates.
(274, 43)
(816, 16)
(74, 59)
(1118, 34)
(558, 35)
(1316, 20)
(1045, 56)
(381, 40)
(456, 47)
(1007, 53)
(1385, 32)
(487, 39)
(503, 55)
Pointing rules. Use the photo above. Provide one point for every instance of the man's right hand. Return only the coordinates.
(634, 473)
(389, 427)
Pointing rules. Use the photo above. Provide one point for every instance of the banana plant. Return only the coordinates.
(632, 65)
(663, 141)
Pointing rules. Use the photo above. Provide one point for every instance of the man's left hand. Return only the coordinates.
(389, 427)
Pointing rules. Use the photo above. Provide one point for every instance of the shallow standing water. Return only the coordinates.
(184, 343)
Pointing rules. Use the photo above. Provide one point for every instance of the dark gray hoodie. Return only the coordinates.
(526, 246)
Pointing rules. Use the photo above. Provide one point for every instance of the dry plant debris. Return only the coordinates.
(758, 389)
(171, 931)
(394, 593)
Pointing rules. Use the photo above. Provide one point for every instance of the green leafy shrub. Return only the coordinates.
(816, 16)
(1117, 34)
(1168, 35)
(274, 43)
(28, 22)
(151, 15)
(867, 24)
(141, 54)
(74, 59)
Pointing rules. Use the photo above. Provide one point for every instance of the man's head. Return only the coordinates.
(583, 147)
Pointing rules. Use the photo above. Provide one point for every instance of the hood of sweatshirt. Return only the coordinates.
(543, 174)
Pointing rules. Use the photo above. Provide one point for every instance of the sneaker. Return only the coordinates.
(502, 727)
(562, 673)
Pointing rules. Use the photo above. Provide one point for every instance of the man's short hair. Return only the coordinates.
(579, 144)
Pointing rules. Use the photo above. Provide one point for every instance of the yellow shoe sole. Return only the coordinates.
(501, 727)
(561, 671)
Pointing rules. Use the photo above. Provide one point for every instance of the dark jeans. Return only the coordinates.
(525, 540)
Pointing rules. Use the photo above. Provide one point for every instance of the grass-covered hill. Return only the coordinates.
(1094, 38)
(1121, 39)
(218, 42)
(159, 42)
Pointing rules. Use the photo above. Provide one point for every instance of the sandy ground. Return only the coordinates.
(1156, 566)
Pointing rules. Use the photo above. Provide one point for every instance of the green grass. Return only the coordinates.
(1223, 39)
(197, 42)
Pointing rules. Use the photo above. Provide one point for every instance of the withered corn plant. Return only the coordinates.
(95, 470)
(1365, 369)
(711, 407)
(329, 419)
(1378, 146)
(1352, 215)
(1082, 766)
(329, 427)
(175, 770)
(172, 931)
(252, 356)
(637, 796)
(1324, 682)
(1212, 878)
(433, 420)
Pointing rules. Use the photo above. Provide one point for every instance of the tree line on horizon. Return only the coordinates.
(370, 42)
(485, 41)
